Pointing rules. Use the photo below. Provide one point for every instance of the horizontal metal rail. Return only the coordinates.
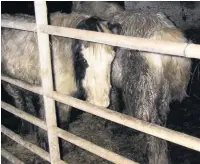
(45, 155)
(156, 46)
(95, 149)
(20, 25)
(35, 149)
(146, 127)
(89, 146)
(34, 120)
(10, 157)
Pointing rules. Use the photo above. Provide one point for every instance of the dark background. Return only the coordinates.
(28, 7)
(184, 117)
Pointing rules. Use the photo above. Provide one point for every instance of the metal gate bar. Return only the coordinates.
(89, 146)
(41, 26)
(47, 80)
(17, 138)
(134, 123)
(188, 50)
(18, 112)
(10, 157)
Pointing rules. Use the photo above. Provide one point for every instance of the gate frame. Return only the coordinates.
(43, 31)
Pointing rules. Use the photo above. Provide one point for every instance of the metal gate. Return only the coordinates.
(43, 29)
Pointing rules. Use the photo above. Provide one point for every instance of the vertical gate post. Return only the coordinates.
(47, 80)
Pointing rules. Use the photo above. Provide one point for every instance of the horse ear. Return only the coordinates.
(115, 28)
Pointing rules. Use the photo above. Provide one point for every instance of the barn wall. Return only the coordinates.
(185, 15)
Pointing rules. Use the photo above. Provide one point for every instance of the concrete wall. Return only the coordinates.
(185, 15)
